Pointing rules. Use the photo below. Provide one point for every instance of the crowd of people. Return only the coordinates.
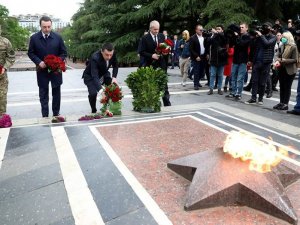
(269, 51)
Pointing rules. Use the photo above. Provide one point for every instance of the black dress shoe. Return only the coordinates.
(269, 95)
(196, 88)
(274, 89)
(277, 106)
(283, 107)
(167, 103)
(294, 112)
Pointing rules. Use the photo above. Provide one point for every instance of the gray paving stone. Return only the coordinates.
(28, 139)
(113, 195)
(29, 181)
(15, 166)
(64, 221)
(43, 206)
(138, 217)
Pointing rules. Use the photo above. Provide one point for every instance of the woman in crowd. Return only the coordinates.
(287, 69)
(184, 56)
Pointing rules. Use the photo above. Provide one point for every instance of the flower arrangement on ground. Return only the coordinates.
(54, 64)
(111, 100)
(147, 86)
(93, 116)
(5, 121)
(58, 119)
(165, 47)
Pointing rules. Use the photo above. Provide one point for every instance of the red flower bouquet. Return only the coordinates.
(111, 99)
(58, 119)
(94, 116)
(54, 64)
(165, 47)
(1, 67)
(5, 121)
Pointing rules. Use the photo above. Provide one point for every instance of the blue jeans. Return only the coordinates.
(216, 71)
(297, 106)
(238, 72)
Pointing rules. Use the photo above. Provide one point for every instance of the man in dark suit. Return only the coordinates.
(175, 52)
(198, 51)
(43, 43)
(96, 73)
(148, 45)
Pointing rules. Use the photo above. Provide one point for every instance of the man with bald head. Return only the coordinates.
(149, 43)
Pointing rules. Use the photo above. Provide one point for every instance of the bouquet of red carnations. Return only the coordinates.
(1, 67)
(54, 64)
(111, 100)
(165, 47)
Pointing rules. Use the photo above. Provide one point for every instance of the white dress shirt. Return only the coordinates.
(201, 41)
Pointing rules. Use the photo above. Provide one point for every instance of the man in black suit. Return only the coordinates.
(149, 43)
(96, 73)
(198, 49)
(43, 43)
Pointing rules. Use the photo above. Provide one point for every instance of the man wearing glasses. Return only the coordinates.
(198, 55)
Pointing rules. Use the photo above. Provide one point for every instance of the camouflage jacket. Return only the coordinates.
(7, 53)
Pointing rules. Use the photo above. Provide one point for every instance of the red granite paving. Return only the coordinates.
(147, 147)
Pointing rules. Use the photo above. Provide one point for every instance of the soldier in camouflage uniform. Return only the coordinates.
(7, 59)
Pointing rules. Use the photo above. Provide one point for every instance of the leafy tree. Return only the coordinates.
(226, 12)
(11, 29)
(123, 22)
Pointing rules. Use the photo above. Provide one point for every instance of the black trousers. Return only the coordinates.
(260, 74)
(92, 89)
(285, 82)
(162, 63)
(44, 100)
(274, 78)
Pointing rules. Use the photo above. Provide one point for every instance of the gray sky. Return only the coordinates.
(63, 9)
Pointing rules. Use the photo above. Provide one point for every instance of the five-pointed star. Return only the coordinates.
(220, 180)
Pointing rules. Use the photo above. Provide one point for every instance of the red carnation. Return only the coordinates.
(169, 42)
(55, 64)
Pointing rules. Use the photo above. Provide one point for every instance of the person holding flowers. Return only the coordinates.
(97, 72)
(7, 59)
(45, 44)
(153, 49)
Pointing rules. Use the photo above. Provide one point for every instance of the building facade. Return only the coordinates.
(33, 21)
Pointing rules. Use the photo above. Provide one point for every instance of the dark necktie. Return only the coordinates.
(46, 36)
(155, 40)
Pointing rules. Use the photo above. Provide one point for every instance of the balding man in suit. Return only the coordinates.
(149, 43)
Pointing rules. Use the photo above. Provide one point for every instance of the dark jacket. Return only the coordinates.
(38, 49)
(218, 50)
(195, 47)
(241, 49)
(266, 44)
(97, 70)
(147, 49)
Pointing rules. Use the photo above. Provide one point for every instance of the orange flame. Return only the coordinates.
(261, 155)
